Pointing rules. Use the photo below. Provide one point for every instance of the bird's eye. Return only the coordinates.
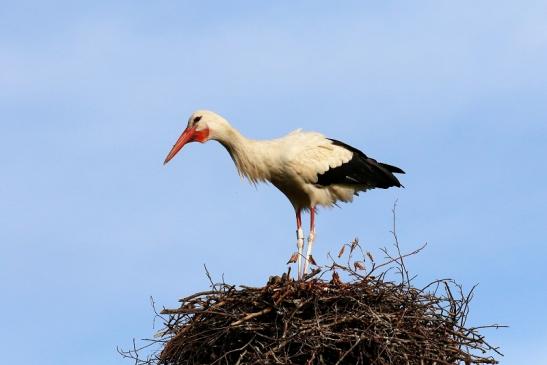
(197, 119)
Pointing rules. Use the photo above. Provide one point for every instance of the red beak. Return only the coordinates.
(189, 135)
(185, 137)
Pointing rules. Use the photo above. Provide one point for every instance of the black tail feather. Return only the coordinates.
(391, 168)
(361, 170)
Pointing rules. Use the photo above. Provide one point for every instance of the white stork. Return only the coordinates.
(307, 167)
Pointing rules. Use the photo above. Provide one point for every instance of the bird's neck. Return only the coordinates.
(251, 159)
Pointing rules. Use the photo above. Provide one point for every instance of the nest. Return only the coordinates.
(364, 319)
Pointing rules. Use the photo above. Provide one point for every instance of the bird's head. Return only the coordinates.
(203, 125)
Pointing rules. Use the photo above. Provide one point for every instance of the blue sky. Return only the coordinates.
(93, 95)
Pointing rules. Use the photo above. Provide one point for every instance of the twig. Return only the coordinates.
(251, 316)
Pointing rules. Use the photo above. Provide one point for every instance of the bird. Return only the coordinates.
(309, 168)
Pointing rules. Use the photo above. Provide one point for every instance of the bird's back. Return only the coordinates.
(310, 153)
(326, 162)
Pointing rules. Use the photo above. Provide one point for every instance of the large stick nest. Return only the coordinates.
(366, 319)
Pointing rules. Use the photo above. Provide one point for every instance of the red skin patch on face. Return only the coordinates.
(200, 136)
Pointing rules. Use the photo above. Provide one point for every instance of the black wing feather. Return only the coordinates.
(360, 170)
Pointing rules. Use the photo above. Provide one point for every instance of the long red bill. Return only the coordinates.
(185, 137)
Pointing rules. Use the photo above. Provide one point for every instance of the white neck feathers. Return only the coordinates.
(250, 157)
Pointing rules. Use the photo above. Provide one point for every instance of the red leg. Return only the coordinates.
(311, 238)
(299, 241)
